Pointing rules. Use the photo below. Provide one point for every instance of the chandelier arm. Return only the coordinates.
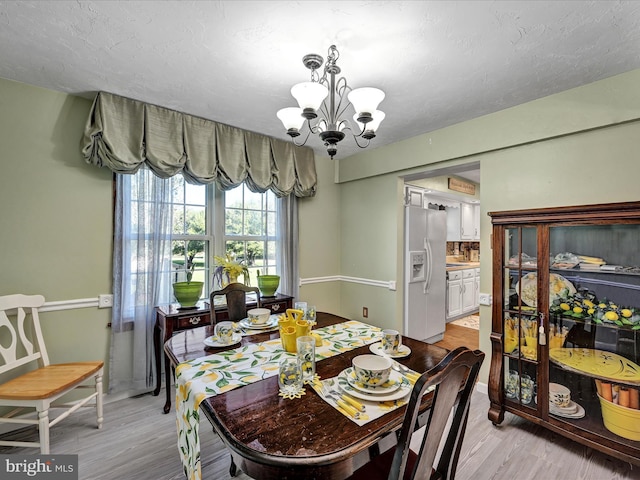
(355, 139)
(348, 126)
(293, 139)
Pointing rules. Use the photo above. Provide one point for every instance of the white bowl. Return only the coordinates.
(559, 395)
(259, 316)
(371, 370)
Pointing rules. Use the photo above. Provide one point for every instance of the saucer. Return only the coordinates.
(403, 390)
(271, 323)
(376, 348)
(389, 386)
(564, 411)
(213, 341)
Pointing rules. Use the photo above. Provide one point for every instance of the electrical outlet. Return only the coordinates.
(365, 312)
(485, 299)
(105, 301)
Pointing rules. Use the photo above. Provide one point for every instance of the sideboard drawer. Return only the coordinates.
(277, 307)
(192, 321)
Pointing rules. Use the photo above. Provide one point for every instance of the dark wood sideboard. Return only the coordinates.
(171, 319)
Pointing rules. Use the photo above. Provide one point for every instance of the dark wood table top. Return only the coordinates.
(275, 438)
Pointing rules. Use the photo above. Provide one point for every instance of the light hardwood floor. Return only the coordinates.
(139, 442)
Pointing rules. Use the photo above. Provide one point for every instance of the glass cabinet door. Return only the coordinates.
(594, 328)
(520, 316)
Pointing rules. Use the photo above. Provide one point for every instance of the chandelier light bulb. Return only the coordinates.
(291, 118)
(369, 129)
(310, 96)
(365, 101)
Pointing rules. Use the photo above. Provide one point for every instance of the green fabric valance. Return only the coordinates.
(123, 134)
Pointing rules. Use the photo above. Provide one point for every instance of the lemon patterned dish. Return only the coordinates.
(559, 287)
(597, 363)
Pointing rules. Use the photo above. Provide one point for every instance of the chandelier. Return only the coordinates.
(323, 102)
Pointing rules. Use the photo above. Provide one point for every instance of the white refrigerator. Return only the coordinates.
(425, 273)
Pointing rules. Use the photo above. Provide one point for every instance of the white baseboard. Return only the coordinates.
(482, 388)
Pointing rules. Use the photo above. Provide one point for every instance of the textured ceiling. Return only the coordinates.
(439, 63)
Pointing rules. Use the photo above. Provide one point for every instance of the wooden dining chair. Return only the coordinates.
(454, 379)
(236, 295)
(22, 347)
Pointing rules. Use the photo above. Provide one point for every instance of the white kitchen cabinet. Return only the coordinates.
(477, 288)
(467, 223)
(476, 222)
(454, 293)
(453, 223)
(468, 290)
(463, 292)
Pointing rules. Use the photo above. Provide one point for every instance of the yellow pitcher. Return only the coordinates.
(294, 315)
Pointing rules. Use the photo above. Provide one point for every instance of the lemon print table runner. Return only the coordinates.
(207, 376)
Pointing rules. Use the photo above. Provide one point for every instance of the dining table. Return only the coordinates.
(271, 437)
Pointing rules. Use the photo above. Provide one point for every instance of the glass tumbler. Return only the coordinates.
(289, 374)
(306, 354)
(301, 306)
(311, 314)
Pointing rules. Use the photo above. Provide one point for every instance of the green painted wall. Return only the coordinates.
(57, 211)
(576, 147)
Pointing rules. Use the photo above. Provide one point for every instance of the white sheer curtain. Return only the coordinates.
(141, 256)
(287, 245)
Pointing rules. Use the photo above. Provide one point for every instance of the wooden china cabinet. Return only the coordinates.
(566, 316)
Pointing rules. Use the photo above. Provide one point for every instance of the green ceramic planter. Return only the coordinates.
(187, 293)
(268, 284)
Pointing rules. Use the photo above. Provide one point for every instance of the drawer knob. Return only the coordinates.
(194, 320)
(275, 307)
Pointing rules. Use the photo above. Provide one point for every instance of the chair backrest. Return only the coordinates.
(454, 379)
(236, 294)
(20, 325)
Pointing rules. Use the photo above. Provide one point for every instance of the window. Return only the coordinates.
(247, 222)
(244, 223)
(191, 234)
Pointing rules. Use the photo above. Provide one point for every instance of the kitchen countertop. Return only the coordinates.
(463, 266)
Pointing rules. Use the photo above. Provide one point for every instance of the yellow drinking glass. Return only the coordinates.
(288, 337)
(303, 328)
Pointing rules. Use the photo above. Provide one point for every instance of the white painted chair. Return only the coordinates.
(22, 343)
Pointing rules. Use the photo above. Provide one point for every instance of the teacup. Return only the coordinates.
(526, 389)
(511, 387)
(371, 370)
(224, 332)
(258, 316)
(391, 341)
(559, 395)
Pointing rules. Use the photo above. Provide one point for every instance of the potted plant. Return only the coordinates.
(188, 293)
(228, 269)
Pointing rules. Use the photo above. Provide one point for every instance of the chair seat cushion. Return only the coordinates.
(47, 381)
(378, 468)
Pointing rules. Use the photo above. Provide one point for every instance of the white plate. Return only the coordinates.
(271, 323)
(391, 385)
(559, 287)
(403, 391)
(403, 351)
(213, 341)
(579, 413)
